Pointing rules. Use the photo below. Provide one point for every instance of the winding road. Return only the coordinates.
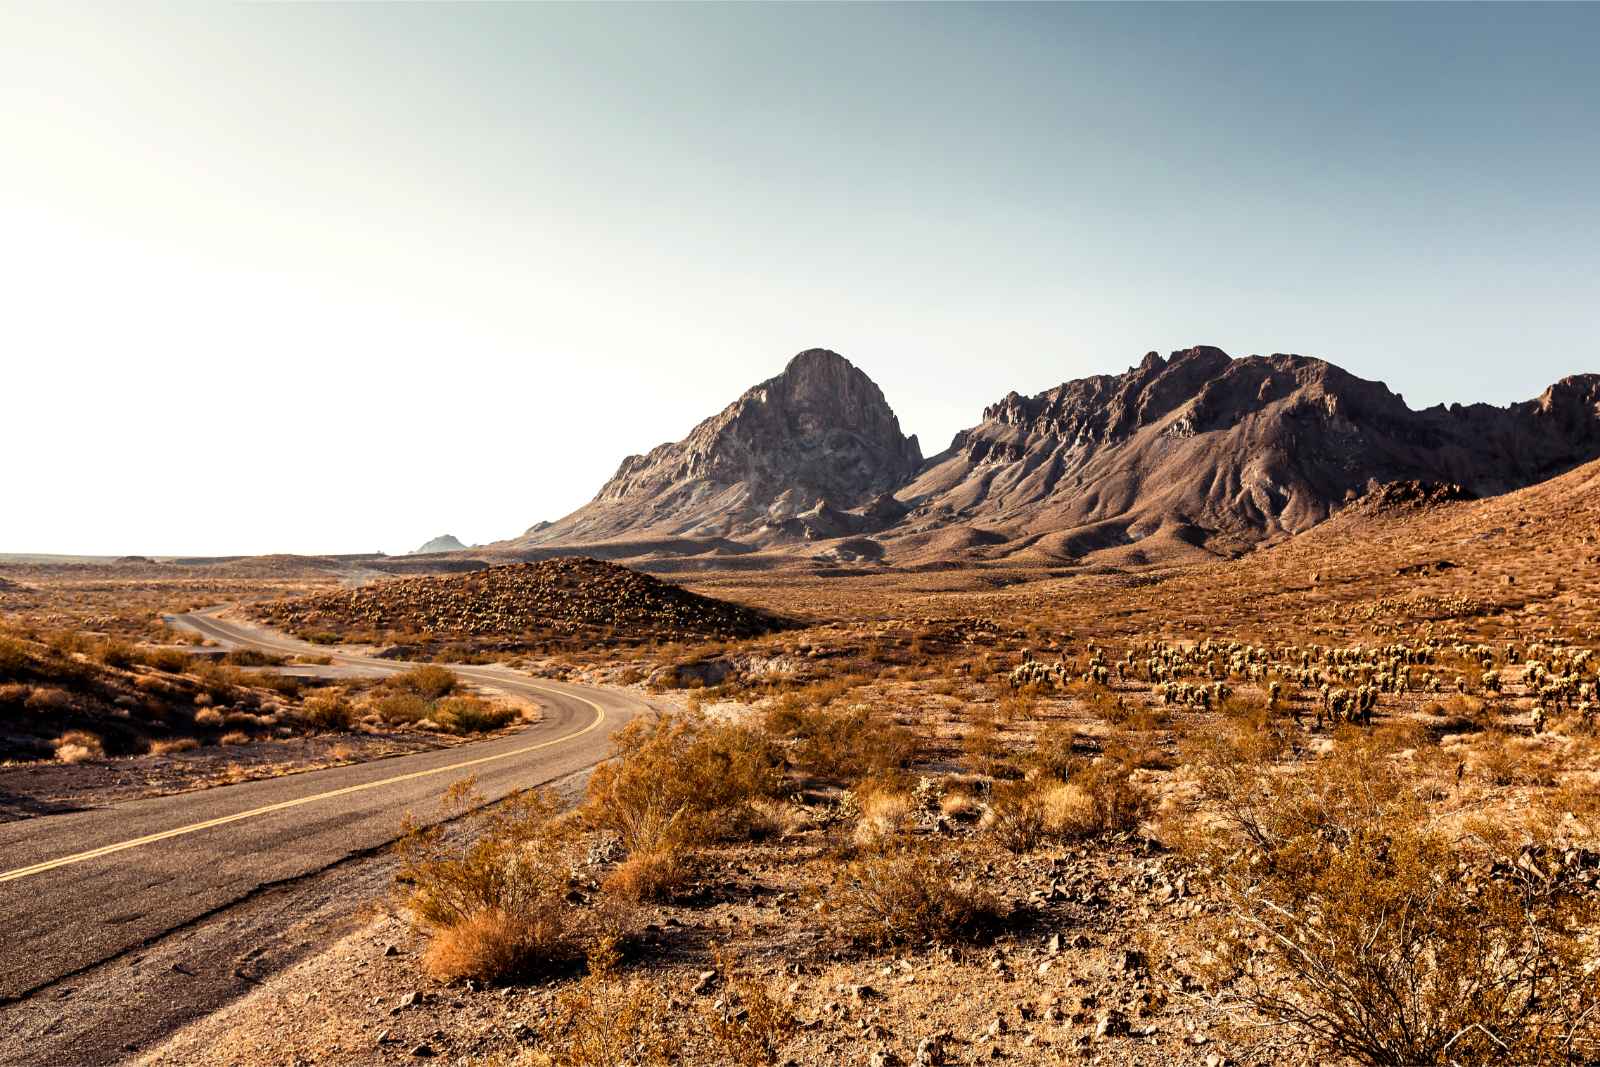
(87, 898)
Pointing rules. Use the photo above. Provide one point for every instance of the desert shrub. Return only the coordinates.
(168, 659)
(882, 815)
(470, 715)
(658, 874)
(496, 909)
(252, 657)
(118, 654)
(430, 682)
(844, 744)
(677, 783)
(681, 779)
(908, 896)
(1099, 798)
(46, 698)
(748, 1023)
(177, 744)
(76, 746)
(208, 717)
(14, 657)
(1397, 950)
(326, 709)
(1052, 753)
(981, 747)
(235, 737)
(490, 945)
(282, 684)
(1388, 942)
(771, 818)
(400, 707)
(607, 1020)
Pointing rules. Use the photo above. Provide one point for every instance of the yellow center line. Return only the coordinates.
(106, 850)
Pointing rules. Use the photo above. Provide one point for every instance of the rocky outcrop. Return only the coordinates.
(1203, 450)
(575, 599)
(818, 440)
(443, 543)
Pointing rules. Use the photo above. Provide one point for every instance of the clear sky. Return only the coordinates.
(341, 278)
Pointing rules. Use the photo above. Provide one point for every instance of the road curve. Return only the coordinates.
(81, 888)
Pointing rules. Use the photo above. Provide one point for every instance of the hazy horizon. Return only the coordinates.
(344, 278)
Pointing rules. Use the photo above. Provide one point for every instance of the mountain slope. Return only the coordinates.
(1202, 452)
(798, 451)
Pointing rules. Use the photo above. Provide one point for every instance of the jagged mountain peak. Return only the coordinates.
(820, 430)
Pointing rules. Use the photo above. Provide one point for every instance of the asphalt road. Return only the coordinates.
(81, 890)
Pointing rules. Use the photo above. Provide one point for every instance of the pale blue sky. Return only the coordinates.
(475, 255)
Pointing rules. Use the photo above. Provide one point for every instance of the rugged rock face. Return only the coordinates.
(818, 440)
(443, 543)
(1204, 451)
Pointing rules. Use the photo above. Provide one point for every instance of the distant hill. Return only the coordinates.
(443, 543)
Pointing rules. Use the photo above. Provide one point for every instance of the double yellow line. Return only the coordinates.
(107, 850)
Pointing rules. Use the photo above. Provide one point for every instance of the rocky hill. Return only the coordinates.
(442, 543)
(816, 447)
(1201, 451)
(564, 599)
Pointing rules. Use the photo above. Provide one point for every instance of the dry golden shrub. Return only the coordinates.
(1052, 752)
(1375, 937)
(208, 717)
(45, 698)
(1100, 797)
(326, 709)
(400, 708)
(748, 1024)
(843, 744)
(1398, 948)
(908, 896)
(608, 1020)
(493, 945)
(471, 715)
(78, 746)
(981, 749)
(428, 681)
(658, 874)
(176, 744)
(883, 815)
(678, 783)
(497, 908)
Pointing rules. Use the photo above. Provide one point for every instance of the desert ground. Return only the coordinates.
(1330, 801)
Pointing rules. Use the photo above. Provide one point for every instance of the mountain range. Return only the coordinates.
(1192, 455)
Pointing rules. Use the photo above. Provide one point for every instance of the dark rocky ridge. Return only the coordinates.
(1205, 450)
(819, 435)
